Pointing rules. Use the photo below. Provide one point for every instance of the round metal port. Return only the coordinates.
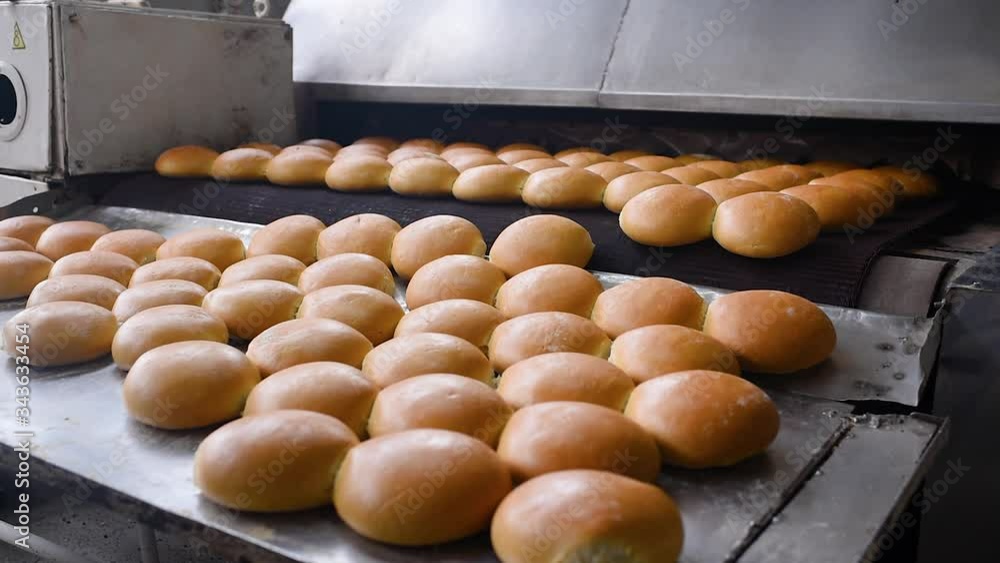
(12, 102)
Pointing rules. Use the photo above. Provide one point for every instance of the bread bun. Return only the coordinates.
(22, 271)
(830, 167)
(462, 145)
(8, 244)
(531, 335)
(426, 144)
(242, 165)
(221, 248)
(835, 206)
(166, 324)
(87, 288)
(561, 435)
(25, 227)
(371, 312)
(358, 173)
(533, 165)
(915, 184)
(721, 168)
(402, 154)
(421, 176)
(426, 240)
(348, 269)
(299, 167)
(624, 188)
(276, 267)
(655, 350)
(653, 163)
(472, 321)
(386, 143)
(668, 216)
(468, 161)
(515, 156)
(453, 154)
(759, 163)
(575, 150)
(541, 239)
(648, 301)
(337, 390)
(563, 188)
(250, 307)
(458, 276)
(237, 465)
(597, 515)
(691, 175)
(420, 354)
(302, 341)
(443, 401)
(885, 182)
(686, 159)
(320, 151)
(628, 154)
(519, 147)
(60, 333)
(420, 487)
(565, 376)
(188, 385)
(189, 268)
(771, 331)
(156, 294)
(584, 159)
(355, 151)
(728, 188)
(765, 225)
(367, 233)
(775, 178)
(63, 239)
(329, 146)
(138, 244)
(294, 235)
(271, 148)
(611, 169)
(492, 182)
(186, 161)
(106, 264)
(552, 287)
(878, 202)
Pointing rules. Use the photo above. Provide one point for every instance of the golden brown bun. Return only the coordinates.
(653, 163)
(294, 235)
(25, 227)
(188, 385)
(492, 182)
(250, 307)
(60, 333)
(138, 244)
(287, 151)
(668, 216)
(728, 188)
(628, 154)
(426, 240)
(611, 169)
(166, 324)
(625, 514)
(454, 277)
(235, 465)
(443, 401)
(472, 321)
(771, 331)
(420, 487)
(691, 175)
(776, 178)
(302, 341)
(561, 435)
(68, 237)
(8, 244)
(219, 247)
(22, 271)
(242, 165)
(515, 156)
(721, 168)
(186, 161)
(703, 418)
(584, 159)
(276, 267)
(765, 225)
(915, 184)
(885, 182)
(420, 354)
(356, 151)
(686, 159)
(575, 150)
(87, 288)
(563, 188)
(267, 147)
(462, 145)
(358, 173)
(406, 153)
(468, 161)
(329, 146)
(386, 143)
(156, 294)
(565, 376)
(189, 268)
(421, 176)
(830, 167)
(519, 147)
(533, 165)
(648, 301)
(624, 188)
(552, 287)
(299, 167)
(835, 206)
(455, 154)
(541, 239)
(110, 265)
(878, 202)
(348, 269)
(543, 333)
(367, 233)
(759, 163)
(652, 351)
(337, 390)
(426, 144)
(371, 312)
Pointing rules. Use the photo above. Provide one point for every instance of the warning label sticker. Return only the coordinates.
(18, 38)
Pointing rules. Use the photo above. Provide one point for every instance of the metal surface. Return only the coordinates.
(31, 149)
(882, 290)
(14, 188)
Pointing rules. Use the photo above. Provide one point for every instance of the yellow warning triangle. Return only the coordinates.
(18, 38)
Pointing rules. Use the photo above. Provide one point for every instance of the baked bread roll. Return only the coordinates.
(648, 301)
(560, 435)
(611, 169)
(575, 150)
(392, 489)
(591, 526)
(371, 312)
(186, 161)
(721, 168)
(915, 184)
(420, 176)
(552, 287)
(60, 333)
(156, 294)
(359, 173)
(669, 216)
(294, 235)
(780, 177)
(461, 145)
(759, 163)
(468, 161)
(835, 206)
(348, 269)
(765, 225)
(728, 188)
(22, 271)
(230, 462)
(686, 159)
(531, 335)
(138, 244)
(565, 376)
(492, 182)
(267, 147)
(242, 165)
(337, 390)
(655, 350)
(189, 268)
(429, 145)
(458, 276)
(885, 182)
(878, 202)
(8, 244)
(306, 148)
(533, 165)
(329, 146)
(830, 167)
(201, 383)
(299, 167)
(250, 307)
(426, 240)
(162, 325)
(402, 154)
(704, 419)
(367, 233)
(624, 188)
(86, 288)
(584, 159)
(563, 188)
(515, 156)
(25, 227)
(691, 175)
(386, 143)
(471, 407)
(791, 333)
(519, 147)
(452, 154)
(219, 247)
(653, 163)
(353, 151)
(472, 321)
(67, 237)
(628, 154)
(110, 265)
(421, 354)
(276, 267)
(541, 239)
(302, 341)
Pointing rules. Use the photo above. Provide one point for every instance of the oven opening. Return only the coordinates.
(8, 100)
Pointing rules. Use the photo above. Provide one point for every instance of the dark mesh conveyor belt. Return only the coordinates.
(829, 271)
